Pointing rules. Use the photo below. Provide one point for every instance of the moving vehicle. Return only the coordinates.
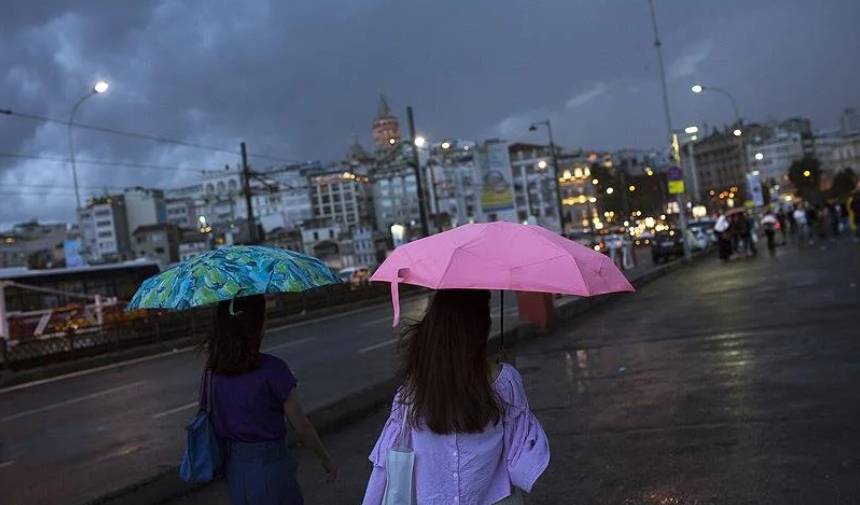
(355, 276)
(667, 245)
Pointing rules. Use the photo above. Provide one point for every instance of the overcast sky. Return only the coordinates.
(297, 78)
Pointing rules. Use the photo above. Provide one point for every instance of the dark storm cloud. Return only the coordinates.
(298, 78)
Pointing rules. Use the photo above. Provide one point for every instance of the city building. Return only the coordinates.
(192, 243)
(180, 211)
(157, 242)
(32, 244)
(386, 128)
(453, 175)
(105, 234)
(321, 239)
(342, 196)
(144, 206)
(772, 156)
(534, 186)
(721, 163)
(395, 197)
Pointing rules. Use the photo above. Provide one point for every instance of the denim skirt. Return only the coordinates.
(262, 473)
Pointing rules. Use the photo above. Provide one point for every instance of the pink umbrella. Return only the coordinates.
(504, 256)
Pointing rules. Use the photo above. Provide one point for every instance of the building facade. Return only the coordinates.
(32, 244)
(157, 242)
(534, 185)
(342, 197)
(144, 206)
(105, 233)
(771, 157)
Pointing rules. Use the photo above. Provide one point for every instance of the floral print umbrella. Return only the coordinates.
(228, 272)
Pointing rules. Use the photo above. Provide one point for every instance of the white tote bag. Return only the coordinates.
(399, 469)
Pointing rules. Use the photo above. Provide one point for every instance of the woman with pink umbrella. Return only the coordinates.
(460, 429)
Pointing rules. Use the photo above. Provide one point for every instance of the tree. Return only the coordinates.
(805, 175)
(844, 183)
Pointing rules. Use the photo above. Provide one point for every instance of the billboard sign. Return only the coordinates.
(497, 191)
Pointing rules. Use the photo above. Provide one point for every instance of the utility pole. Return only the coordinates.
(416, 165)
(673, 139)
(246, 188)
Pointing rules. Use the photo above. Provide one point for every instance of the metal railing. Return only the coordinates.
(189, 326)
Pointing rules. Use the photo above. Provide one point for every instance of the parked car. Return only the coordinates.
(666, 245)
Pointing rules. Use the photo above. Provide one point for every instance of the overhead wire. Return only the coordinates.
(142, 136)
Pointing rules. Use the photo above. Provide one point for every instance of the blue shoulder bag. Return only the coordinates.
(203, 456)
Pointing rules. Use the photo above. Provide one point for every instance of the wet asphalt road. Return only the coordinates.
(74, 439)
(729, 384)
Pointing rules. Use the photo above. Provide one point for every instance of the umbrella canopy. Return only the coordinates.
(224, 273)
(501, 255)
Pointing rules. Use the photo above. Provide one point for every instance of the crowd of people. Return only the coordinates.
(802, 223)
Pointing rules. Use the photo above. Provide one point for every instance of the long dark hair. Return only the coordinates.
(445, 375)
(233, 345)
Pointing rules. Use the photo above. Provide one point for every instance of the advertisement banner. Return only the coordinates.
(497, 193)
(72, 252)
(755, 192)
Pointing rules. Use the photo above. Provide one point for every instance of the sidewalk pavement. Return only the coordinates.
(720, 384)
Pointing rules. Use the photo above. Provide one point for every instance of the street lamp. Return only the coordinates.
(98, 88)
(691, 130)
(420, 141)
(558, 200)
(697, 88)
(737, 132)
(542, 164)
(446, 145)
(759, 156)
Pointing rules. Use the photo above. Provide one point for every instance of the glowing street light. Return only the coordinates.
(738, 132)
(807, 173)
(632, 188)
(391, 141)
(759, 156)
(595, 182)
(542, 164)
(100, 87)
(609, 191)
(446, 145)
(690, 130)
(419, 141)
(697, 88)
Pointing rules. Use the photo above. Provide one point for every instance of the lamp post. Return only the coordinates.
(737, 132)
(673, 139)
(98, 88)
(434, 196)
(559, 202)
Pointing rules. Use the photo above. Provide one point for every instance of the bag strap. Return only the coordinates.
(206, 389)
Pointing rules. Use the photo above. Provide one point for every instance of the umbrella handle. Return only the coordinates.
(502, 321)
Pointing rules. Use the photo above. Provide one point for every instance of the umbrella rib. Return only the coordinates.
(567, 253)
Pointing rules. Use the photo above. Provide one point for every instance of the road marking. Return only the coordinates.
(289, 344)
(374, 322)
(71, 401)
(173, 411)
(95, 370)
(5, 464)
(377, 346)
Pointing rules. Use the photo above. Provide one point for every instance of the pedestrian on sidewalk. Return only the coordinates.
(251, 394)
(770, 223)
(782, 218)
(466, 418)
(803, 234)
(723, 229)
(745, 234)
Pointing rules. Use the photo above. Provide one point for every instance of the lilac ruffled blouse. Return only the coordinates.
(470, 468)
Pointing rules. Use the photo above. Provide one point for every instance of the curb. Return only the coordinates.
(337, 414)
